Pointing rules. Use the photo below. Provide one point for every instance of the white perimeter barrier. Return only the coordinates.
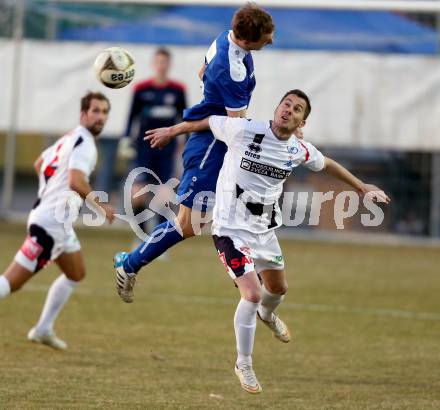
(358, 99)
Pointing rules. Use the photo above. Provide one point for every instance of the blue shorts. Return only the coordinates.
(202, 161)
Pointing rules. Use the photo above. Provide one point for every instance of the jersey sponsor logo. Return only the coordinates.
(252, 155)
(290, 162)
(31, 248)
(291, 159)
(255, 147)
(264, 169)
(236, 263)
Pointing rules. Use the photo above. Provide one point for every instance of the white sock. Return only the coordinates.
(269, 302)
(245, 323)
(5, 287)
(58, 295)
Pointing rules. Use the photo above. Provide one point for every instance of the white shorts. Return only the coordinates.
(242, 251)
(46, 240)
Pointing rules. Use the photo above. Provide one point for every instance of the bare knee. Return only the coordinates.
(73, 266)
(81, 275)
(252, 295)
(275, 281)
(77, 275)
(277, 288)
(15, 286)
(17, 276)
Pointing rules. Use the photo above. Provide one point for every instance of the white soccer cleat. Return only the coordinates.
(124, 281)
(278, 327)
(248, 380)
(49, 339)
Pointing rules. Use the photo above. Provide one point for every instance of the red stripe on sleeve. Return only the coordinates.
(307, 151)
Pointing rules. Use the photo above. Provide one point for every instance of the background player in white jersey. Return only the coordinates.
(260, 156)
(63, 168)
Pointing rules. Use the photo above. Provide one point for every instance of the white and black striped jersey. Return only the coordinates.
(255, 167)
(75, 150)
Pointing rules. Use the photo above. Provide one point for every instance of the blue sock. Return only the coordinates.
(154, 247)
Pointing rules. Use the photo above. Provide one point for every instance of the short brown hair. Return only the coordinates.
(303, 95)
(251, 22)
(87, 100)
(162, 51)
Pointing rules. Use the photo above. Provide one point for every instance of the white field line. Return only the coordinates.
(304, 307)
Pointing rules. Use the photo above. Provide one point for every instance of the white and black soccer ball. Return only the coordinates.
(114, 67)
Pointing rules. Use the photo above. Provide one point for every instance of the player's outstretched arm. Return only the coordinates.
(335, 169)
(160, 137)
(78, 183)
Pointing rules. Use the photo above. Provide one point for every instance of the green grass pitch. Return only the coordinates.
(365, 320)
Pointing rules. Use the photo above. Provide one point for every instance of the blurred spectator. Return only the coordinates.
(107, 147)
(157, 102)
(410, 224)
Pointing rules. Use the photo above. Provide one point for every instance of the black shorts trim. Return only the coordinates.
(231, 257)
(46, 241)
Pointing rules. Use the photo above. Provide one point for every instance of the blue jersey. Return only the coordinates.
(228, 80)
(228, 83)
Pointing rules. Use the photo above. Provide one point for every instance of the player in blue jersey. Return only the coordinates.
(228, 80)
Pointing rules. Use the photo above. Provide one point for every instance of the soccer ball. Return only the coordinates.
(114, 67)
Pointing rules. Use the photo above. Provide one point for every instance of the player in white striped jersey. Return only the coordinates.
(260, 156)
(63, 169)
